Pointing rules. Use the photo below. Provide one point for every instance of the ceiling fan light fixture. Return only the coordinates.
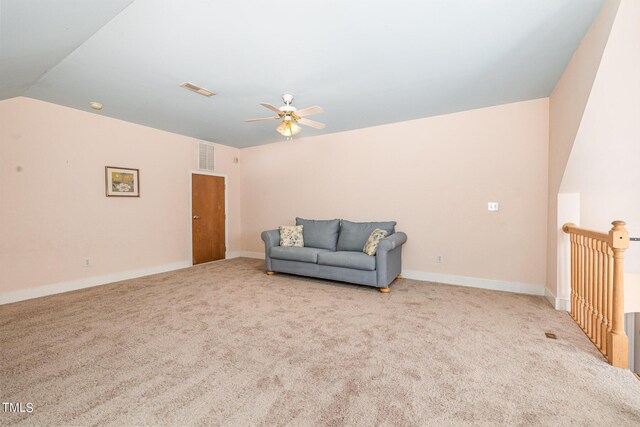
(288, 127)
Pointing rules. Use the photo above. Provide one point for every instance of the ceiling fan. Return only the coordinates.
(291, 116)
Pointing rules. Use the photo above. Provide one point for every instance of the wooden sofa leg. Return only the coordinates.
(399, 276)
(270, 273)
(384, 290)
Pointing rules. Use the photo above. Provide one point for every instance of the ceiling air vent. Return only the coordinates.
(205, 156)
(197, 89)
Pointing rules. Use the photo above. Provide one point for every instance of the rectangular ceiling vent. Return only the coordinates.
(197, 89)
(205, 156)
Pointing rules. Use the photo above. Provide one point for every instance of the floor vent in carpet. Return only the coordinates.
(550, 335)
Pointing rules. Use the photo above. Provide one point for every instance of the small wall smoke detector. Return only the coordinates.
(197, 89)
(95, 105)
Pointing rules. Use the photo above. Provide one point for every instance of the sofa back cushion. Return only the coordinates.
(321, 234)
(354, 235)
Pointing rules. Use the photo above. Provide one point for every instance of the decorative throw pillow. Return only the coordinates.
(374, 239)
(291, 235)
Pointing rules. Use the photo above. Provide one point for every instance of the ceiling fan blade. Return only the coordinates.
(312, 123)
(263, 118)
(272, 108)
(309, 111)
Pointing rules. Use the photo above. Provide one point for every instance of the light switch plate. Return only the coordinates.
(493, 206)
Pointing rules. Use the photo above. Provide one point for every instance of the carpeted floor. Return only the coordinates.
(224, 344)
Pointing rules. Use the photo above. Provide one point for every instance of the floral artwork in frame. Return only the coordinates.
(122, 182)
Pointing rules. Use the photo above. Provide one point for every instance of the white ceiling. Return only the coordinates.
(366, 62)
(37, 35)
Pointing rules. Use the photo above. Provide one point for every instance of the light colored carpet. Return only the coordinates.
(224, 344)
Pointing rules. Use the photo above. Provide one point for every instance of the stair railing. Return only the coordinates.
(597, 288)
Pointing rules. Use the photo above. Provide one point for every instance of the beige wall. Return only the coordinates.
(53, 210)
(632, 293)
(604, 162)
(566, 106)
(434, 176)
(604, 166)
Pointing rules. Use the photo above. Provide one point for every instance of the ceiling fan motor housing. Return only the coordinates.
(287, 107)
(287, 98)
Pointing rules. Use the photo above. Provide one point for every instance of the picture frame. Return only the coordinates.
(122, 182)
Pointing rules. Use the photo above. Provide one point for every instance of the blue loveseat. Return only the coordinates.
(333, 249)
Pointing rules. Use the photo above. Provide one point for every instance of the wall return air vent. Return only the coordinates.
(205, 156)
(197, 89)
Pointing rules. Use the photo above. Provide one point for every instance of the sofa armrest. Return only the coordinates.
(392, 242)
(271, 238)
(389, 259)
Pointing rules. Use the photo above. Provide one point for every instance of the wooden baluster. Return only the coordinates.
(605, 295)
(582, 283)
(590, 287)
(594, 290)
(579, 281)
(603, 304)
(619, 343)
(587, 287)
(598, 294)
(574, 299)
(609, 298)
(585, 269)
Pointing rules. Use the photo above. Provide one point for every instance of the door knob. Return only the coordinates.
(196, 217)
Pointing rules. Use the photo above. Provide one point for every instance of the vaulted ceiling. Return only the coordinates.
(365, 62)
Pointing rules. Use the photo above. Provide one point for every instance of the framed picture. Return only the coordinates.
(122, 182)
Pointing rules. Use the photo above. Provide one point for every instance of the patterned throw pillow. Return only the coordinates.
(371, 246)
(291, 235)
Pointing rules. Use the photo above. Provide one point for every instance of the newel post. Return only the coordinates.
(617, 340)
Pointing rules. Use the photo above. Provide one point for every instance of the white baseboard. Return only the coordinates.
(557, 303)
(550, 297)
(60, 287)
(245, 254)
(496, 285)
(563, 304)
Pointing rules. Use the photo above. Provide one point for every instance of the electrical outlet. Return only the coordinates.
(493, 206)
(439, 259)
(87, 261)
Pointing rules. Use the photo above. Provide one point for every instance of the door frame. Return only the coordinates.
(226, 212)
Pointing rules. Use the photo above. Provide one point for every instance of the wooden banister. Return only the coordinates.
(597, 288)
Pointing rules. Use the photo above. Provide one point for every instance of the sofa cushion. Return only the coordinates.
(354, 235)
(291, 235)
(293, 253)
(356, 260)
(321, 234)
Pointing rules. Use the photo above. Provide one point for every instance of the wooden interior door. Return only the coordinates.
(207, 218)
